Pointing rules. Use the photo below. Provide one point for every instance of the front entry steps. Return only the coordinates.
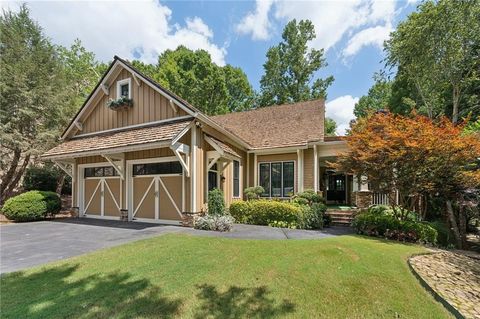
(341, 217)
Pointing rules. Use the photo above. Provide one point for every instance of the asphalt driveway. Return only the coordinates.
(30, 244)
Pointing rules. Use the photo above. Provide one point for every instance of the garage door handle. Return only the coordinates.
(156, 194)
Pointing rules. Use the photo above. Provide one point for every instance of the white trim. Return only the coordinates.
(119, 169)
(277, 150)
(315, 168)
(128, 127)
(248, 170)
(69, 172)
(120, 83)
(239, 179)
(193, 178)
(184, 131)
(300, 170)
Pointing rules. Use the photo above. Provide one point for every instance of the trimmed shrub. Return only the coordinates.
(253, 192)
(445, 237)
(214, 222)
(33, 205)
(216, 202)
(385, 225)
(265, 212)
(310, 196)
(314, 216)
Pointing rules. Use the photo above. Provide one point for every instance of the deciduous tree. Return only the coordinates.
(418, 157)
(291, 66)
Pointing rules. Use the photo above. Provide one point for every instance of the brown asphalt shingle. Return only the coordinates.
(277, 126)
(118, 139)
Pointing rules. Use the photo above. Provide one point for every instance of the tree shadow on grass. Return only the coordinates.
(58, 293)
(238, 302)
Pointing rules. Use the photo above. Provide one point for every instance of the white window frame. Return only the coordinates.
(239, 179)
(123, 82)
(273, 162)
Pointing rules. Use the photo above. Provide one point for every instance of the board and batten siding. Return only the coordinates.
(148, 106)
(308, 178)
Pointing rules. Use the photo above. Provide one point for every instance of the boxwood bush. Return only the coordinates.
(267, 212)
(33, 205)
(216, 202)
(378, 222)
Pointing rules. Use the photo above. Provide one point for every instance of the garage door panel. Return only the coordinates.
(92, 196)
(143, 186)
(112, 187)
(174, 186)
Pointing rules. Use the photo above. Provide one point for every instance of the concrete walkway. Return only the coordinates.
(26, 245)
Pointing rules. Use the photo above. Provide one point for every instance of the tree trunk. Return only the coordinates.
(8, 176)
(13, 184)
(453, 222)
(456, 102)
(60, 182)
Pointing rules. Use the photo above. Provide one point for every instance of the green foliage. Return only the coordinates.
(330, 127)
(193, 76)
(440, 69)
(216, 202)
(264, 212)
(381, 223)
(214, 222)
(119, 103)
(290, 67)
(253, 192)
(310, 196)
(445, 237)
(33, 205)
(313, 216)
(40, 178)
(377, 98)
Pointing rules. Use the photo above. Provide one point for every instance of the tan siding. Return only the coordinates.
(308, 177)
(148, 106)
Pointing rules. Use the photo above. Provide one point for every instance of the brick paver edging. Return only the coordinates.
(437, 296)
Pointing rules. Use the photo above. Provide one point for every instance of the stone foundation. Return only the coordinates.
(187, 218)
(363, 199)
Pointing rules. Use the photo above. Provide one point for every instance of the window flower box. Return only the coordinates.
(120, 104)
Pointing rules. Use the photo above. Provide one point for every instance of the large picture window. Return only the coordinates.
(236, 179)
(277, 178)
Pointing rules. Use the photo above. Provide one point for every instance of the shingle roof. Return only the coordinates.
(277, 126)
(113, 140)
(225, 147)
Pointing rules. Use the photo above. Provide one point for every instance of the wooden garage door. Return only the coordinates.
(157, 196)
(101, 193)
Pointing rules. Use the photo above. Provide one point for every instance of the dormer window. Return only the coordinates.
(124, 89)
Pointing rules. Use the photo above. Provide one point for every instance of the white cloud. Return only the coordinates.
(333, 20)
(341, 110)
(370, 36)
(122, 27)
(257, 23)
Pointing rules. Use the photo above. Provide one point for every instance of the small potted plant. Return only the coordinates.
(120, 104)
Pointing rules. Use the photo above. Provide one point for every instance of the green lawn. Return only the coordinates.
(199, 277)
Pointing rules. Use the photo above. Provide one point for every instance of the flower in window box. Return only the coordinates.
(120, 104)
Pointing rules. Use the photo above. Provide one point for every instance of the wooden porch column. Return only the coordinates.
(300, 170)
(315, 169)
(255, 168)
(193, 175)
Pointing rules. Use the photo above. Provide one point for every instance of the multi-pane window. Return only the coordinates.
(213, 177)
(277, 178)
(236, 179)
(103, 171)
(157, 168)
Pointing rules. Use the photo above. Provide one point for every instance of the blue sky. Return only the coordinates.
(234, 32)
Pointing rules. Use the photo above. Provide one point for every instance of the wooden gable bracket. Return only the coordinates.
(173, 106)
(105, 88)
(179, 149)
(119, 168)
(212, 158)
(79, 125)
(63, 166)
(135, 77)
